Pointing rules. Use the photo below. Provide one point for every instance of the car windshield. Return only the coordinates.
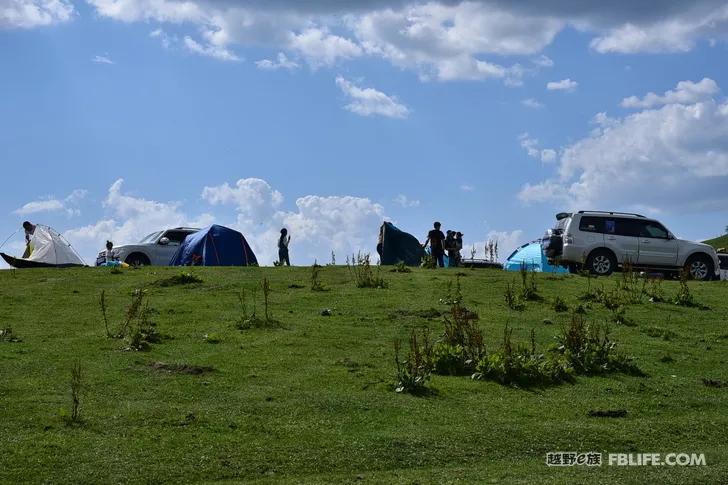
(150, 238)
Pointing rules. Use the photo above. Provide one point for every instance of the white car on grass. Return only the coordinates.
(155, 249)
(602, 242)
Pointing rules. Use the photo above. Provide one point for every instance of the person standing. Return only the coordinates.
(450, 247)
(436, 240)
(458, 247)
(283, 243)
(29, 230)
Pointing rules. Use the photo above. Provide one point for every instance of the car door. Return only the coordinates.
(166, 251)
(657, 248)
(620, 235)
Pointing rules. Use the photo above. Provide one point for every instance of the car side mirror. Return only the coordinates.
(670, 235)
(164, 241)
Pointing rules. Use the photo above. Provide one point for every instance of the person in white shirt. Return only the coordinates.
(283, 243)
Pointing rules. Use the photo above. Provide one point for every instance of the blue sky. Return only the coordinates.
(328, 118)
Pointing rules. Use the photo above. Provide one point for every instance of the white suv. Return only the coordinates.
(603, 241)
(157, 248)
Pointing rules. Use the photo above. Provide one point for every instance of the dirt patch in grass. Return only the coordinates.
(178, 279)
(405, 313)
(714, 383)
(181, 368)
(608, 413)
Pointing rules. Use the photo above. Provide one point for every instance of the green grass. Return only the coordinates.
(718, 242)
(312, 400)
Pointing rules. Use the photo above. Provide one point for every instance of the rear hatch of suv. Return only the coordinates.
(553, 242)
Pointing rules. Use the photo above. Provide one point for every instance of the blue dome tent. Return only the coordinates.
(214, 246)
(531, 256)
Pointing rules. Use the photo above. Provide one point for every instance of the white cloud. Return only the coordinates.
(531, 145)
(26, 14)
(508, 241)
(210, 50)
(369, 101)
(167, 40)
(321, 48)
(686, 92)
(564, 85)
(532, 103)
(102, 60)
(543, 61)
(68, 204)
(675, 156)
(282, 62)
(256, 201)
(467, 188)
(405, 201)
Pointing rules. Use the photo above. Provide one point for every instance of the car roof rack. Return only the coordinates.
(613, 213)
(184, 229)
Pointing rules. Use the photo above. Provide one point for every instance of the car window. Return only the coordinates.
(621, 227)
(591, 224)
(150, 238)
(175, 237)
(652, 229)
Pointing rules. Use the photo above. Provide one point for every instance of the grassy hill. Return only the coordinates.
(718, 242)
(312, 400)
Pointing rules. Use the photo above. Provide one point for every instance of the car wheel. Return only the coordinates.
(601, 262)
(700, 268)
(137, 259)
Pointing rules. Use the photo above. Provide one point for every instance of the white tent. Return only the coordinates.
(48, 249)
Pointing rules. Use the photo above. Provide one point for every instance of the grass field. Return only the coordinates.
(313, 401)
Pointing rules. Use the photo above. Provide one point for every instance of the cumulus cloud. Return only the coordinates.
(404, 201)
(69, 205)
(508, 241)
(26, 14)
(673, 156)
(210, 50)
(564, 85)
(282, 62)
(686, 92)
(443, 40)
(531, 145)
(370, 102)
(102, 60)
(532, 103)
(318, 225)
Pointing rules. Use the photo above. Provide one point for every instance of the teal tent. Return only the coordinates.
(531, 256)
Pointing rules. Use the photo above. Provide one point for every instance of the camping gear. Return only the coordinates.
(49, 250)
(399, 246)
(214, 246)
(532, 257)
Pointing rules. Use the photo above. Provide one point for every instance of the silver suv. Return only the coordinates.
(601, 242)
(157, 248)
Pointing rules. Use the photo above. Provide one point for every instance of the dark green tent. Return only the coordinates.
(398, 246)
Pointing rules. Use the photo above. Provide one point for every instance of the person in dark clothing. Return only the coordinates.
(450, 247)
(380, 242)
(29, 230)
(283, 242)
(436, 240)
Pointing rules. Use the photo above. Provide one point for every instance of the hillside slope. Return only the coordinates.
(718, 242)
(312, 400)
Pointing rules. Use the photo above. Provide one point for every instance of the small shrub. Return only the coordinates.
(529, 290)
(250, 320)
(364, 277)
(333, 259)
(316, 284)
(413, 372)
(619, 316)
(7, 335)
(560, 305)
(658, 332)
(428, 262)
(184, 278)
(667, 359)
(522, 366)
(590, 351)
(102, 306)
(654, 291)
(400, 268)
(513, 300)
(144, 333)
(76, 386)
(212, 338)
(683, 296)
